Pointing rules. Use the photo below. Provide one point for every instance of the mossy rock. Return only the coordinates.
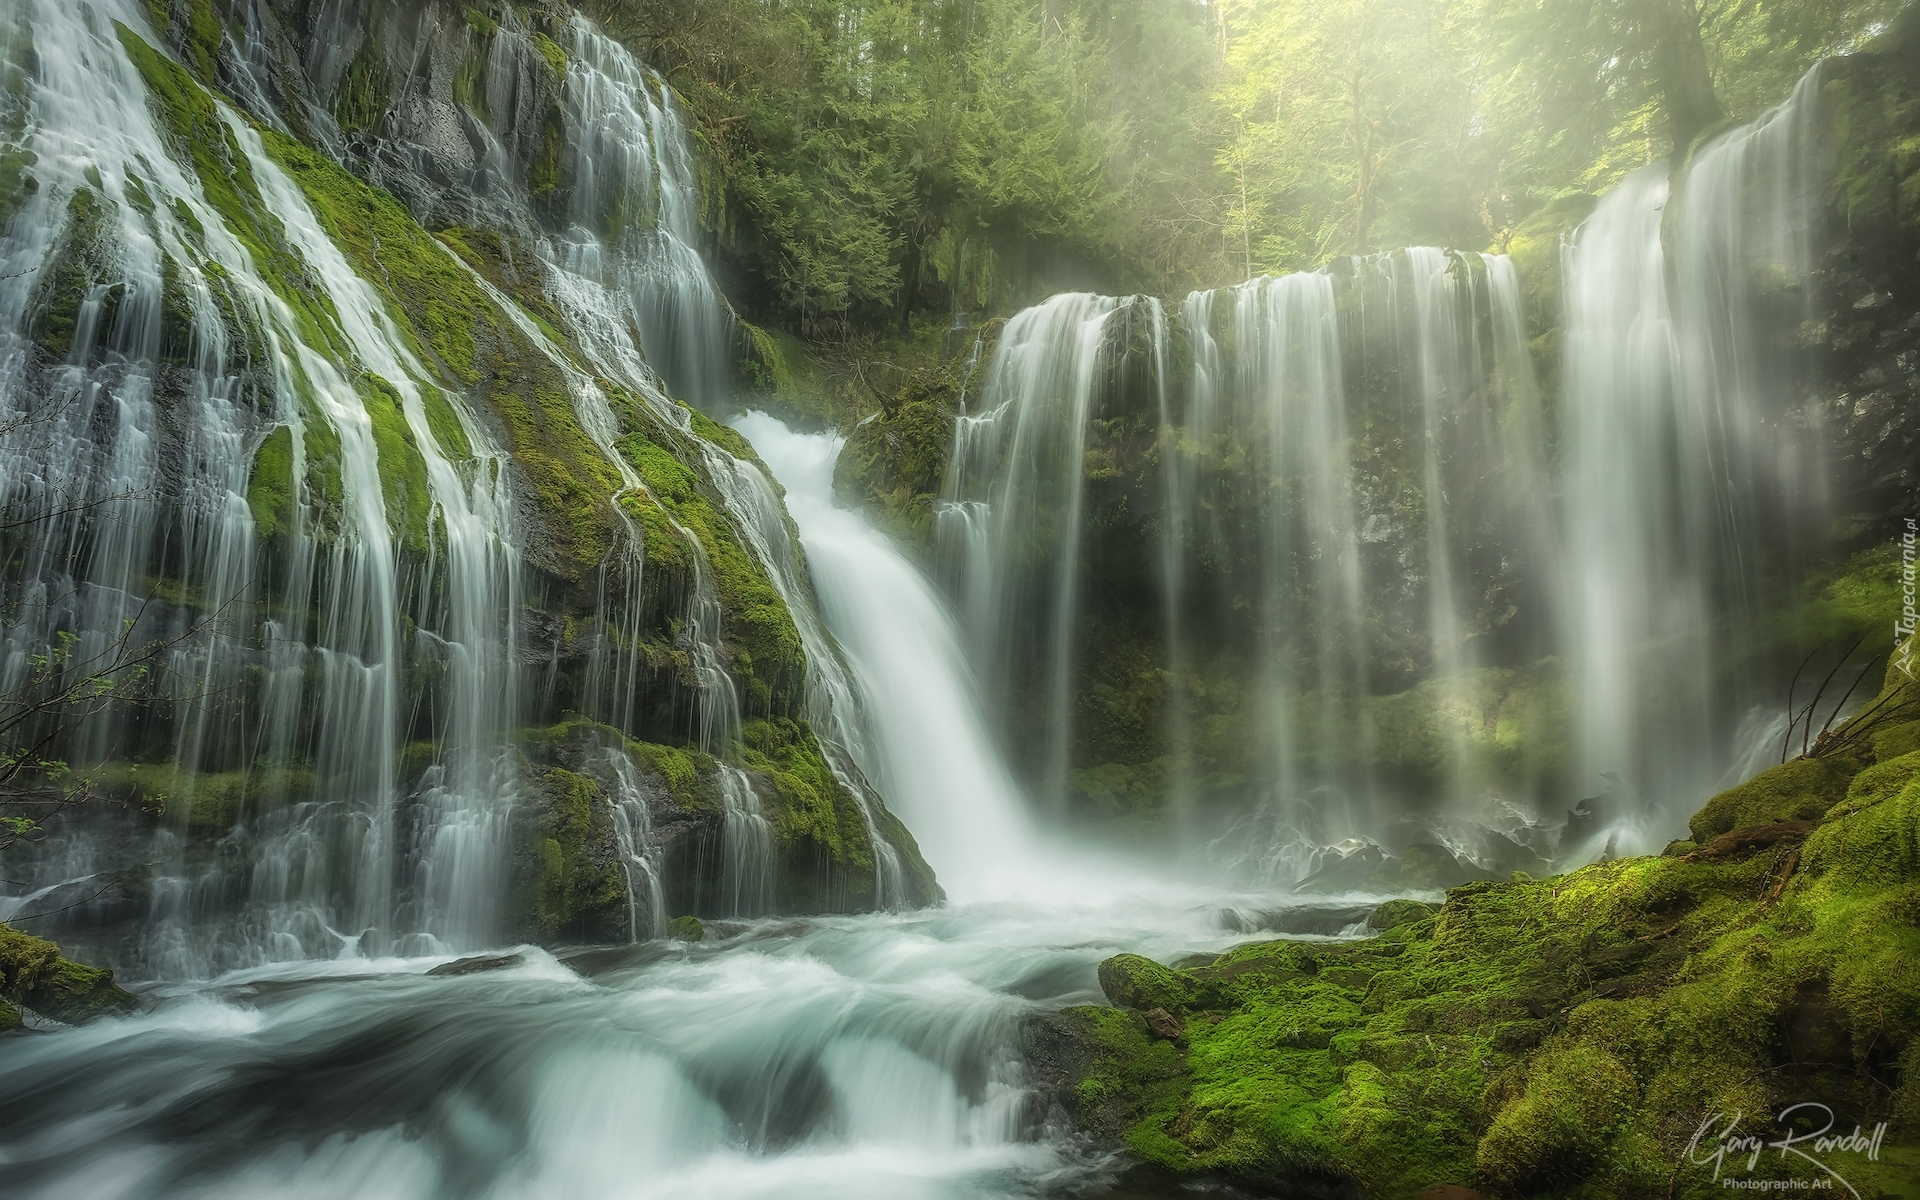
(1131, 981)
(1395, 913)
(34, 975)
(686, 929)
(1561, 1127)
(1871, 846)
(1559, 1037)
(569, 879)
(894, 465)
(1882, 781)
(1801, 790)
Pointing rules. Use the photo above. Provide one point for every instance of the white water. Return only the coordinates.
(876, 1057)
(933, 757)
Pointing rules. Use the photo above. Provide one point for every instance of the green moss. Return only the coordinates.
(201, 141)
(1395, 913)
(543, 173)
(573, 886)
(1131, 981)
(1560, 1130)
(677, 767)
(81, 260)
(204, 35)
(270, 484)
(686, 929)
(403, 472)
(362, 99)
(32, 973)
(764, 645)
(17, 181)
(809, 805)
(551, 51)
(212, 802)
(1801, 790)
(456, 325)
(1559, 1037)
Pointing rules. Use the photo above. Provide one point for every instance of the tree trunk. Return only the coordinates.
(1680, 61)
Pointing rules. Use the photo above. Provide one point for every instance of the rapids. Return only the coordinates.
(876, 1056)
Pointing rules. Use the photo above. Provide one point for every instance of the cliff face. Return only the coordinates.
(400, 308)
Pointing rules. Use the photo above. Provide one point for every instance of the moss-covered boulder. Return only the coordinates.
(1801, 790)
(35, 976)
(1131, 981)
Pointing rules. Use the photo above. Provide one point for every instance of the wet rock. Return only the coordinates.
(478, 964)
(1164, 1024)
(686, 929)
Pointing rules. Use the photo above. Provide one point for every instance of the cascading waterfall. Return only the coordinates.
(627, 263)
(1325, 386)
(273, 476)
(1396, 471)
(380, 603)
(323, 617)
(1692, 470)
(930, 752)
(636, 209)
(1020, 466)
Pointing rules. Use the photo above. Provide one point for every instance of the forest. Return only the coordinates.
(856, 149)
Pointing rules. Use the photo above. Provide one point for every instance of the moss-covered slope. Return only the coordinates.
(1555, 1037)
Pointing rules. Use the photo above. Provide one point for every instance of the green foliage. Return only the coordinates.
(853, 151)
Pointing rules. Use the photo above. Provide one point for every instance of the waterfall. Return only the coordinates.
(1338, 452)
(636, 215)
(1021, 464)
(931, 753)
(1693, 467)
(186, 369)
(1367, 514)
(220, 436)
(627, 263)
